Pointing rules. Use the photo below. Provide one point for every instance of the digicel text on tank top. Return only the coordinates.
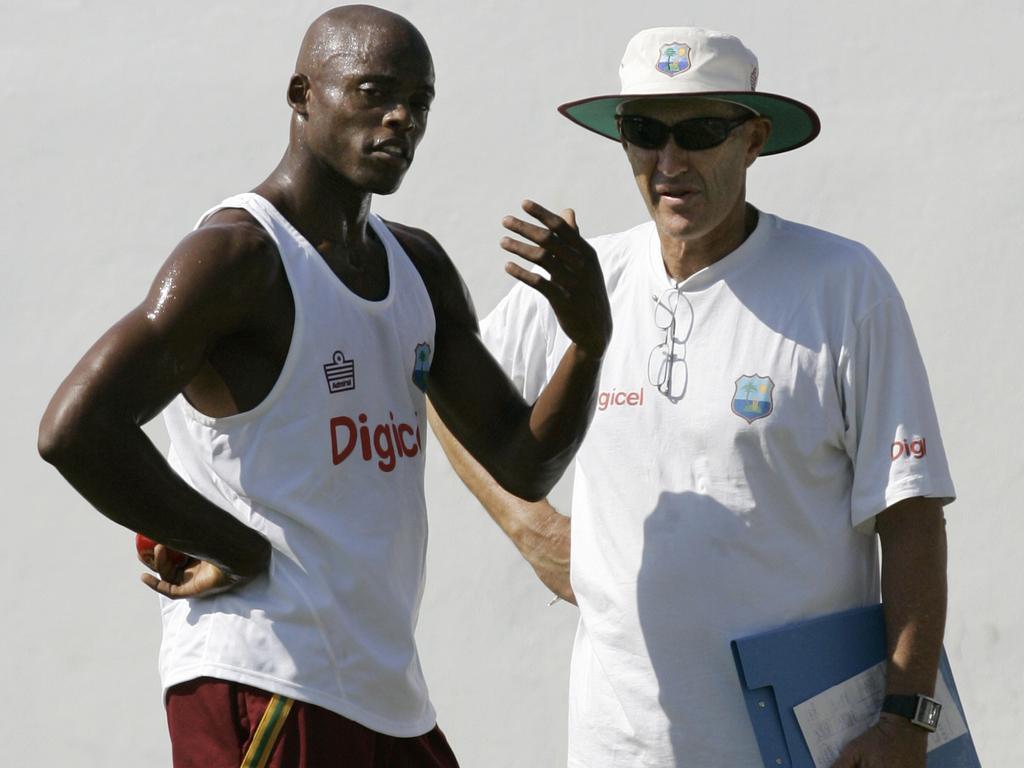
(387, 442)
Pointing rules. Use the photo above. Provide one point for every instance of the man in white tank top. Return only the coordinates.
(763, 411)
(291, 340)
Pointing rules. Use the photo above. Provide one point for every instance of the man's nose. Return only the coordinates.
(400, 117)
(672, 159)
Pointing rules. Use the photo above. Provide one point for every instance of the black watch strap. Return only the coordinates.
(923, 711)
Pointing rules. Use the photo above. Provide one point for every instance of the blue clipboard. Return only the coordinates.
(783, 667)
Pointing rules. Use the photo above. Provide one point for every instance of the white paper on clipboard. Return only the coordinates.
(841, 713)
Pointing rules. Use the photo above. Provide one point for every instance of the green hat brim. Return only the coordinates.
(793, 123)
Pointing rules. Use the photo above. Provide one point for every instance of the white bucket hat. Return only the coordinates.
(690, 62)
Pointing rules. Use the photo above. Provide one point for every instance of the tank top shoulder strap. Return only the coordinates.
(260, 209)
(400, 264)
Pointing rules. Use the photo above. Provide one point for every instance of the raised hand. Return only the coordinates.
(575, 287)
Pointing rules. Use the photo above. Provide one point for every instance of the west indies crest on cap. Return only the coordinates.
(690, 62)
(674, 59)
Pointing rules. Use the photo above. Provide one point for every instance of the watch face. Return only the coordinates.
(928, 711)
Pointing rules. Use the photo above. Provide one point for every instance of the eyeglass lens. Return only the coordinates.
(667, 369)
(674, 314)
(694, 134)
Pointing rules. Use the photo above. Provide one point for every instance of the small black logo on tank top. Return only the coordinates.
(340, 373)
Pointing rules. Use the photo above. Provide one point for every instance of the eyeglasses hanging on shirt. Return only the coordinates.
(666, 365)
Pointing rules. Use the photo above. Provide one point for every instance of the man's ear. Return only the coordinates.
(759, 133)
(298, 94)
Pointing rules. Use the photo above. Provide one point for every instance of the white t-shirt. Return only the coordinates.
(738, 496)
(329, 469)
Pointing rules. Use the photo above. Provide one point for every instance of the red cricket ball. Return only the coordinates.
(145, 546)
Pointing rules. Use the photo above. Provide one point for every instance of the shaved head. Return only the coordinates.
(346, 34)
(360, 96)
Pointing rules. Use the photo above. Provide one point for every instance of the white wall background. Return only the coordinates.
(123, 120)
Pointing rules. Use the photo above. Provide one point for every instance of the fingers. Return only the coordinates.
(197, 578)
(552, 221)
(162, 587)
(547, 288)
(574, 283)
(168, 563)
(557, 242)
(553, 225)
(548, 254)
(847, 758)
(173, 580)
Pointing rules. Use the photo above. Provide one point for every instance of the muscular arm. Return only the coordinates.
(913, 538)
(524, 447)
(538, 530)
(91, 431)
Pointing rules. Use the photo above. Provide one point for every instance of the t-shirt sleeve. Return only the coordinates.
(519, 334)
(892, 432)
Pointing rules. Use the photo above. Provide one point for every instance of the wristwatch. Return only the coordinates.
(923, 711)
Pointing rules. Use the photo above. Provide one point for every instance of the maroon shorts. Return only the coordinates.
(217, 724)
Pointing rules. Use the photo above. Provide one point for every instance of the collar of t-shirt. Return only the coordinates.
(749, 251)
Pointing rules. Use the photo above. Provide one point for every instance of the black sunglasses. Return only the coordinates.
(694, 134)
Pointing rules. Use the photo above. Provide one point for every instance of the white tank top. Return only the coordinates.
(329, 468)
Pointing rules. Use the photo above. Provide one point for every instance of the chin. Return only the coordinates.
(678, 227)
(384, 190)
(677, 221)
(384, 185)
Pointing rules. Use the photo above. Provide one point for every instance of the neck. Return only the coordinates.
(328, 211)
(684, 258)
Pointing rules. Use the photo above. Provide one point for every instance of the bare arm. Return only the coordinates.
(913, 538)
(524, 447)
(92, 432)
(538, 530)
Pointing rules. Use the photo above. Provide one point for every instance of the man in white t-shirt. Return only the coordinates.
(763, 412)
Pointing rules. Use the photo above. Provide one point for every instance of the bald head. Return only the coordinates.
(346, 34)
(360, 97)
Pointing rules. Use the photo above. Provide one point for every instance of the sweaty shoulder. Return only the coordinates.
(231, 244)
(447, 291)
(224, 277)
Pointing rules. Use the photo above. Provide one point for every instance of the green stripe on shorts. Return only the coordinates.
(267, 733)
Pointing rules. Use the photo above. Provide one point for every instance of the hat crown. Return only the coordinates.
(686, 60)
(690, 62)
